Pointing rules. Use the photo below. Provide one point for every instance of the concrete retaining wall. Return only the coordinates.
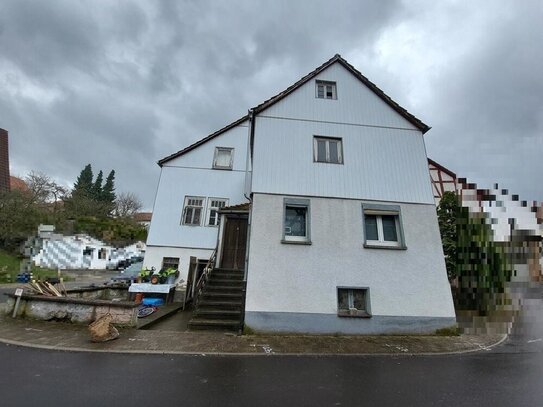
(75, 310)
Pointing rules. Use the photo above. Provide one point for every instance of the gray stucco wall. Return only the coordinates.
(303, 279)
(286, 322)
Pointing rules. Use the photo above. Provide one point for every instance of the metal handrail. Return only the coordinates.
(204, 277)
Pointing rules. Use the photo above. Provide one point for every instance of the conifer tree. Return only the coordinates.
(108, 194)
(83, 185)
(108, 191)
(97, 187)
(447, 212)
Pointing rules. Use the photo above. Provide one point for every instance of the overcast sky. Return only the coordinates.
(121, 84)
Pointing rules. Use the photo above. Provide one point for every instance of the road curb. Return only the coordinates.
(226, 354)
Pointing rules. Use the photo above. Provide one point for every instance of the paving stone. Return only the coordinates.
(60, 335)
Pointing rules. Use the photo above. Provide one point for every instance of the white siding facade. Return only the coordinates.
(384, 154)
(355, 103)
(378, 163)
(192, 174)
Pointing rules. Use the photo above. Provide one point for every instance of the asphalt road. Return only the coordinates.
(32, 377)
(509, 375)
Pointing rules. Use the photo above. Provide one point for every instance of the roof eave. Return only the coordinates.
(202, 141)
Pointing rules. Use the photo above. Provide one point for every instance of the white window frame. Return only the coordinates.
(210, 208)
(186, 206)
(351, 311)
(337, 140)
(379, 211)
(297, 203)
(325, 85)
(216, 155)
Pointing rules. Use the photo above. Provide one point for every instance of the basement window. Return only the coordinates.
(170, 262)
(353, 302)
(325, 90)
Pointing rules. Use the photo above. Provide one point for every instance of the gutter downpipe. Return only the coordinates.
(248, 185)
(247, 194)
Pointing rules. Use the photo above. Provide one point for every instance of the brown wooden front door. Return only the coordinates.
(234, 243)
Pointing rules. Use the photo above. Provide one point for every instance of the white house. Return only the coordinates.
(82, 252)
(341, 233)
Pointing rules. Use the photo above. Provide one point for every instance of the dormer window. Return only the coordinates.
(325, 90)
(224, 156)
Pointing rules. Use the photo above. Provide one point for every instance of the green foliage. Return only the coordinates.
(10, 266)
(84, 185)
(97, 187)
(108, 192)
(482, 265)
(118, 232)
(86, 210)
(450, 331)
(247, 330)
(447, 212)
(9, 263)
(19, 218)
(89, 197)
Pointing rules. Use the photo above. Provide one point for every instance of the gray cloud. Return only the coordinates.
(120, 85)
(488, 110)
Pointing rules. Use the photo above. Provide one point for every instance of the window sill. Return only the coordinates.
(302, 242)
(378, 246)
(357, 314)
(222, 168)
(327, 162)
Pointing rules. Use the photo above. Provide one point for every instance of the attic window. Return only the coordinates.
(223, 158)
(325, 90)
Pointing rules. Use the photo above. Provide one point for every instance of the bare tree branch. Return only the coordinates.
(126, 205)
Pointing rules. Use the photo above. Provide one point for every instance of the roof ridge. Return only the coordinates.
(268, 102)
(274, 99)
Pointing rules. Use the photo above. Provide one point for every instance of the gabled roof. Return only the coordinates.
(274, 99)
(442, 168)
(143, 216)
(337, 58)
(17, 184)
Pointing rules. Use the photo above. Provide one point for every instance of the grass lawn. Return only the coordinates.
(10, 267)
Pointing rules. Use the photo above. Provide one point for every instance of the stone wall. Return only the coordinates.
(100, 293)
(75, 310)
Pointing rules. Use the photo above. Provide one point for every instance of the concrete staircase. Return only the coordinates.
(220, 304)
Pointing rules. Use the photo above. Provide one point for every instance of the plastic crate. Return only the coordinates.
(155, 302)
